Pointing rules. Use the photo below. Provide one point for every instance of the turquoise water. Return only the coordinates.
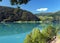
(16, 32)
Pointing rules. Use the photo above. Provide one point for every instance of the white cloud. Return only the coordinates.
(42, 9)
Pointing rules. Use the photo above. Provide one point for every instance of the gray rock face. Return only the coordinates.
(8, 14)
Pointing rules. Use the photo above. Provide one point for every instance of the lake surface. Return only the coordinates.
(16, 32)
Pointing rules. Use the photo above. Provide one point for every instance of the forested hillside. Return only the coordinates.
(8, 14)
(49, 14)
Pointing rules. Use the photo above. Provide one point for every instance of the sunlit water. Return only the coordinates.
(16, 32)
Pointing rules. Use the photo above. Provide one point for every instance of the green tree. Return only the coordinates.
(49, 32)
(28, 39)
(36, 37)
(44, 36)
(18, 2)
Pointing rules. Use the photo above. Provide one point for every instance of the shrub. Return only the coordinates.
(45, 36)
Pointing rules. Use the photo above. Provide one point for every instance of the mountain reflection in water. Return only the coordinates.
(16, 28)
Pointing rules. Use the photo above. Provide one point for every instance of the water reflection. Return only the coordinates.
(15, 28)
(7, 29)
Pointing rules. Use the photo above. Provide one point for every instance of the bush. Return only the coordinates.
(41, 37)
(50, 31)
(35, 37)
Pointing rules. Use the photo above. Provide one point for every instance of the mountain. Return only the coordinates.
(49, 14)
(8, 14)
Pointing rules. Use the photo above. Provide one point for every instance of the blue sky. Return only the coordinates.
(37, 6)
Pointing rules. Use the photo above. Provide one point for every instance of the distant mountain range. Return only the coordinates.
(49, 14)
(8, 14)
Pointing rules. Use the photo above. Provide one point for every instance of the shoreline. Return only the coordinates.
(57, 40)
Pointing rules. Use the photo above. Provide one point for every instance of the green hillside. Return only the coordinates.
(8, 14)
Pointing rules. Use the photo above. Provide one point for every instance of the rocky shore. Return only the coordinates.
(57, 40)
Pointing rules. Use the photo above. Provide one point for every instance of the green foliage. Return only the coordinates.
(49, 32)
(36, 36)
(19, 2)
(28, 39)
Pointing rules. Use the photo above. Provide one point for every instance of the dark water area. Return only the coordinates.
(16, 32)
